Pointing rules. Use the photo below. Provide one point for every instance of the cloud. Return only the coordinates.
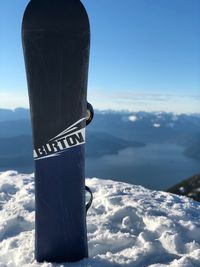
(135, 101)
(122, 100)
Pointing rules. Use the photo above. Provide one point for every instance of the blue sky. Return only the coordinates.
(145, 55)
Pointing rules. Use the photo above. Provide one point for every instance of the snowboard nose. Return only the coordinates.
(62, 15)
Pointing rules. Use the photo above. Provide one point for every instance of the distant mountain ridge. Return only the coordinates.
(119, 136)
(13, 128)
(16, 114)
(17, 150)
(149, 127)
(100, 144)
(24, 113)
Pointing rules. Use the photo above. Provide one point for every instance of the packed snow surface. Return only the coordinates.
(127, 226)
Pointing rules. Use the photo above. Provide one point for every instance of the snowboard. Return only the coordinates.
(56, 41)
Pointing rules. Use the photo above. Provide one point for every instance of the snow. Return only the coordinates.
(156, 125)
(132, 118)
(127, 226)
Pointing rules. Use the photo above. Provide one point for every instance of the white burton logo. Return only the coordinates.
(72, 136)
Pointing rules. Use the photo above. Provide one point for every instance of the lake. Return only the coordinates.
(156, 166)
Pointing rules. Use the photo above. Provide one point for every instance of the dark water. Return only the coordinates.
(154, 166)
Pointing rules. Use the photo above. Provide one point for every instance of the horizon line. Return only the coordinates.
(118, 111)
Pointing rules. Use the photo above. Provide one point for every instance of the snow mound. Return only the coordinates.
(127, 226)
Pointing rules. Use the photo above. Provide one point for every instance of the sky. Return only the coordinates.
(145, 55)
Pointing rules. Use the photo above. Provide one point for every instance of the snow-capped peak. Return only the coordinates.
(132, 118)
(156, 125)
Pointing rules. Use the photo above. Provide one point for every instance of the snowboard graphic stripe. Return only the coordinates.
(71, 137)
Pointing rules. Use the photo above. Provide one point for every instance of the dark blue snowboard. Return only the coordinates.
(56, 38)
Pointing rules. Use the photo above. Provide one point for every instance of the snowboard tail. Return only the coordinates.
(56, 40)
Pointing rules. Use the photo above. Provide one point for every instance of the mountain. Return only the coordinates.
(15, 128)
(127, 225)
(119, 144)
(189, 187)
(145, 127)
(152, 127)
(193, 151)
(17, 151)
(100, 144)
(16, 114)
